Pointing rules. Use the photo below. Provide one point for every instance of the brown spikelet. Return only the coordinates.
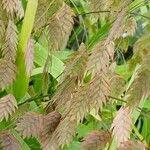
(63, 134)
(29, 56)
(140, 88)
(99, 5)
(74, 72)
(75, 64)
(100, 57)
(45, 10)
(3, 13)
(30, 125)
(142, 45)
(121, 125)
(96, 140)
(2, 28)
(117, 84)
(63, 93)
(140, 49)
(77, 107)
(7, 106)
(80, 103)
(117, 26)
(130, 26)
(50, 123)
(131, 145)
(19, 10)
(11, 41)
(7, 73)
(82, 100)
(8, 141)
(60, 27)
(13, 7)
(9, 6)
(101, 90)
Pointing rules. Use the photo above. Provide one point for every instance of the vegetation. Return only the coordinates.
(75, 74)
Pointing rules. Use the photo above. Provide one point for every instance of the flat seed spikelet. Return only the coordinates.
(7, 73)
(74, 72)
(9, 142)
(39, 126)
(131, 145)
(63, 134)
(11, 41)
(96, 140)
(99, 59)
(81, 102)
(13, 7)
(99, 6)
(130, 26)
(60, 27)
(2, 29)
(121, 125)
(45, 10)
(8, 105)
(19, 10)
(117, 85)
(117, 26)
(140, 88)
(76, 63)
(30, 125)
(50, 123)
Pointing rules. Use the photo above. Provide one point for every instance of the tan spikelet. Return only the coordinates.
(130, 26)
(29, 57)
(60, 27)
(96, 140)
(11, 41)
(9, 142)
(82, 100)
(30, 125)
(76, 63)
(142, 45)
(7, 73)
(45, 10)
(117, 26)
(117, 84)
(9, 6)
(131, 145)
(74, 71)
(97, 6)
(140, 49)
(121, 125)
(51, 121)
(63, 134)
(101, 90)
(8, 105)
(2, 28)
(63, 93)
(3, 13)
(140, 88)
(19, 10)
(100, 57)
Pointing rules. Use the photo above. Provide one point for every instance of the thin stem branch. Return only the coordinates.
(107, 11)
(118, 99)
(33, 99)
